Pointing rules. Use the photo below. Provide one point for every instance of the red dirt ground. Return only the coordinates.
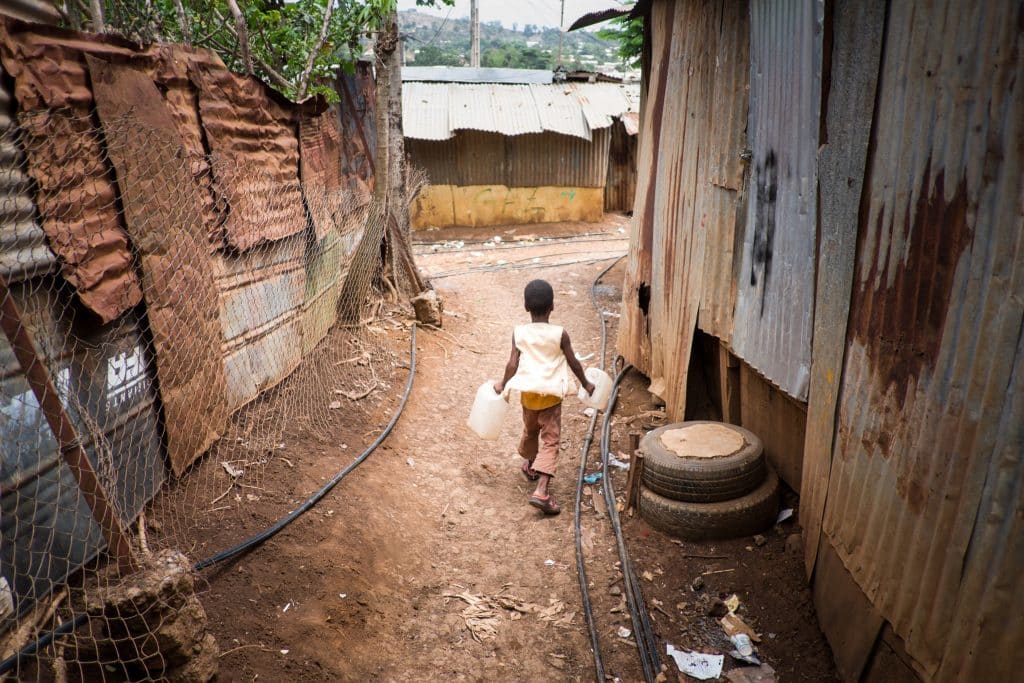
(437, 511)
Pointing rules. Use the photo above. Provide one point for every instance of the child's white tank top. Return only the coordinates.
(542, 365)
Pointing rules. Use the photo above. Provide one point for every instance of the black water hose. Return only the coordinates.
(581, 569)
(645, 641)
(249, 544)
(272, 531)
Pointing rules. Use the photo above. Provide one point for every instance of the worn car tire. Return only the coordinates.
(705, 479)
(744, 516)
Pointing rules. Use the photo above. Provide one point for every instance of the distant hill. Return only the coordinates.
(431, 41)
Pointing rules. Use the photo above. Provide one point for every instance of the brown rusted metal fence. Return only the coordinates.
(177, 245)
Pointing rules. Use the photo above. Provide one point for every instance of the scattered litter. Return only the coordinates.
(749, 659)
(784, 515)
(697, 584)
(476, 254)
(232, 471)
(410, 462)
(284, 652)
(549, 563)
(251, 498)
(342, 595)
(497, 239)
(743, 644)
(697, 664)
(615, 462)
(647, 576)
(593, 477)
(746, 674)
(482, 616)
(584, 359)
(334, 405)
(732, 603)
(615, 590)
(624, 632)
(733, 624)
(589, 412)
(718, 571)
(500, 262)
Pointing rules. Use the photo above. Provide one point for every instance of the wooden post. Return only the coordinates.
(636, 466)
(729, 385)
(63, 429)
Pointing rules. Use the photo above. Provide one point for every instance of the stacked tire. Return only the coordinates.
(706, 480)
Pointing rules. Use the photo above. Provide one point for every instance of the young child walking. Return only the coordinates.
(539, 366)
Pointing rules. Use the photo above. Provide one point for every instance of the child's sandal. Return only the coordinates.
(546, 504)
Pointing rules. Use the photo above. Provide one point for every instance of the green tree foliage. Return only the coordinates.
(287, 45)
(629, 35)
(436, 55)
(513, 56)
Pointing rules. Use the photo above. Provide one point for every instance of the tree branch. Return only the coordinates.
(241, 34)
(97, 16)
(274, 76)
(303, 82)
(186, 30)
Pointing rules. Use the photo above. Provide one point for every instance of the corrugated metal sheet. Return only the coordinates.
(356, 115)
(327, 263)
(682, 243)
(23, 249)
(320, 165)
(104, 376)
(162, 211)
(75, 197)
(926, 499)
(775, 302)
(857, 27)
(725, 181)
(546, 159)
(436, 111)
(261, 298)
(254, 144)
(466, 74)
(40, 11)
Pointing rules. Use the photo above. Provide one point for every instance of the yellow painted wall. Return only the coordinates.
(477, 205)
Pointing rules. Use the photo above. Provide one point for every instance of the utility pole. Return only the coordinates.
(561, 32)
(474, 33)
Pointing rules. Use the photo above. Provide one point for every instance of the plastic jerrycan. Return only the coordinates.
(602, 389)
(488, 412)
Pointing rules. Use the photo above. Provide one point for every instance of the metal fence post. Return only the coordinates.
(64, 431)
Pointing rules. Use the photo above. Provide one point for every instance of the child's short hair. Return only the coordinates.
(539, 297)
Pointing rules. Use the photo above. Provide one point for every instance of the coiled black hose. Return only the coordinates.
(70, 626)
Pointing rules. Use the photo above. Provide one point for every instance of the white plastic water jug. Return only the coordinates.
(488, 412)
(602, 389)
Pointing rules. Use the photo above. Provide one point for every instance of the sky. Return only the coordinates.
(522, 12)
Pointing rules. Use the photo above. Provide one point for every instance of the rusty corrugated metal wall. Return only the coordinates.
(534, 160)
(925, 505)
(915, 436)
(688, 191)
(775, 302)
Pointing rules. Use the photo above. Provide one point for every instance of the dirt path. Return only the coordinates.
(367, 577)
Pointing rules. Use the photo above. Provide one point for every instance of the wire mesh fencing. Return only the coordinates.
(163, 388)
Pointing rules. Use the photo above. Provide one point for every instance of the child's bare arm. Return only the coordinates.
(574, 363)
(510, 368)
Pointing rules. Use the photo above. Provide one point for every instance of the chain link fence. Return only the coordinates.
(183, 414)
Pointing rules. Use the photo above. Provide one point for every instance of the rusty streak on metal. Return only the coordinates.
(64, 431)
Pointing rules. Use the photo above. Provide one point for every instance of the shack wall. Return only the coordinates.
(900, 201)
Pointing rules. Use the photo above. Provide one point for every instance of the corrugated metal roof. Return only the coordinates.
(467, 74)
(434, 111)
(775, 300)
(925, 504)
